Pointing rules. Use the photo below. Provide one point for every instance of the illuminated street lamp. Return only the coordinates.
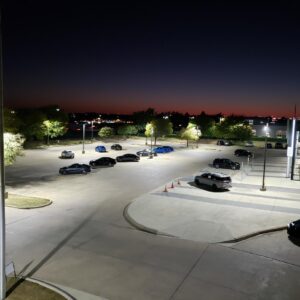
(83, 137)
(263, 187)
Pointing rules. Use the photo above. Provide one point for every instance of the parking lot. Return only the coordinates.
(83, 243)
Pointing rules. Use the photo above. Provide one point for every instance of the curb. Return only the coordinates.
(52, 287)
(33, 207)
(141, 227)
(253, 234)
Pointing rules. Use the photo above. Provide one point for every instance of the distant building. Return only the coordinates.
(277, 128)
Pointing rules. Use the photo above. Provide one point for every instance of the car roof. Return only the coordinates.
(222, 175)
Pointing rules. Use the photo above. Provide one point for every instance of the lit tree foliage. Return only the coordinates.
(191, 132)
(52, 129)
(13, 146)
(160, 127)
(106, 132)
(127, 130)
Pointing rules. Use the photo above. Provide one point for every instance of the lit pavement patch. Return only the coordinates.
(202, 215)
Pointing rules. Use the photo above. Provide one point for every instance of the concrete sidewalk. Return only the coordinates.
(192, 213)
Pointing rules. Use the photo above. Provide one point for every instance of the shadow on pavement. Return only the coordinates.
(51, 253)
(294, 240)
(206, 187)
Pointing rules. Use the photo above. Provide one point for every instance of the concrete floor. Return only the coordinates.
(82, 241)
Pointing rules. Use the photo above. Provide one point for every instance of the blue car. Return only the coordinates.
(100, 149)
(163, 149)
(168, 148)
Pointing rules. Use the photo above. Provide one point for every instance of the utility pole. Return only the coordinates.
(263, 187)
(2, 182)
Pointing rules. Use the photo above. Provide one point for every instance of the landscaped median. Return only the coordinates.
(26, 202)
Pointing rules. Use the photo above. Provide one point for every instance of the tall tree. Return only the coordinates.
(127, 130)
(106, 132)
(161, 127)
(191, 132)
(52, 129)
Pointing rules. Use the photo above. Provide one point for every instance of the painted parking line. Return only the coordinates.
(265, 207)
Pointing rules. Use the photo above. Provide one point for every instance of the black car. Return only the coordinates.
(279, 145)
(269, 145)
(116, 147)
(103, 161)
(243, 152)
(75, 169)
(128, 157)
(146, 152)
(226, 164)
(293, 228)
(224, 143)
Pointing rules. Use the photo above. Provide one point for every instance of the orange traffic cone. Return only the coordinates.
(172, 185)
(165, 190)
(178, 182)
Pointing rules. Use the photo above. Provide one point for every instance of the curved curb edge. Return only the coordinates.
(33, 207)
(253, 234)
(52, 287)
(139, 226)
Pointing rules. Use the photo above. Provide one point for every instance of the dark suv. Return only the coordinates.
(226, 164)
(243, 152)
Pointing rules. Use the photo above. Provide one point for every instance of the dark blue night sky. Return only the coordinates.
(121, 57)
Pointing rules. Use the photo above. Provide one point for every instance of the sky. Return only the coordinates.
(126, 56)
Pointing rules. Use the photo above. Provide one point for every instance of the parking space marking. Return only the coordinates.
(265, 207)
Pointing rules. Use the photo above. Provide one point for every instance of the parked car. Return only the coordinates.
(128, 157)
(146, 152)
(224, 143)
(293, 228)
(269, 145)
(75, 169)
(163, 149)
(226, 164)
(243, 152)
(100, 149)
(168, 148)
(214, 180)
(103, 161)
(116, 147)
(67, 154)
(280, 145)
(249, 144)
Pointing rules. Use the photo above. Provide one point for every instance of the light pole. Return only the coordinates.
(198, 135)
(83, 137)
(263, 187)
(151, 154)
(92, 133)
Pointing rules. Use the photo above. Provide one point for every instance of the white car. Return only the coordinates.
(214, 180)
(249, 144)
(67, 154)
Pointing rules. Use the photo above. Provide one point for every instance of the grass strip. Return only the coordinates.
(26, 202)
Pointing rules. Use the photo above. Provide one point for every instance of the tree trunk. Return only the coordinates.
(187, 143)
